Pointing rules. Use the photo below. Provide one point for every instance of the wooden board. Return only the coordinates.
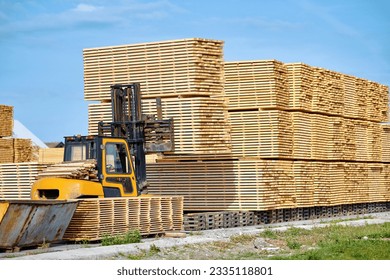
(6, 120)
(163, 68)
(96, 218)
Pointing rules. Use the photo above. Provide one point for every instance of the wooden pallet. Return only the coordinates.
(169, 67)
(16, 179)
(96, 218)
(6, 120)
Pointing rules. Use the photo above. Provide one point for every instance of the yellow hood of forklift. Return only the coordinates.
(64, 189)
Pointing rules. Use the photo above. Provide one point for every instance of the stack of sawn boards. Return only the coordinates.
(302, 136)
(188, 76)
(13, 150)
(285, 135)
(96, 218)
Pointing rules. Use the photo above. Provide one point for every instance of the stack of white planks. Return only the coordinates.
(6, 120)
(95, 219)
(83, 169)
(16, 179)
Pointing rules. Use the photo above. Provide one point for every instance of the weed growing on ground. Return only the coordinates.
(133, 236)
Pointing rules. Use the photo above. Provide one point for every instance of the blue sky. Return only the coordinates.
(41, 43)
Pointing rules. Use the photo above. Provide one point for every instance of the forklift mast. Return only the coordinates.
(144, 133)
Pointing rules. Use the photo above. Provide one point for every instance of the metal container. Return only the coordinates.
(25, 223)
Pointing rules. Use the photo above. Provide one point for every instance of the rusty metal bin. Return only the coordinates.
(25, 223)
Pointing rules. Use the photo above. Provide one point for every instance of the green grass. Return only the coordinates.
(369, 242)
(133, 236)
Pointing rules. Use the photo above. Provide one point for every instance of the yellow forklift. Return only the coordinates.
(118, 151)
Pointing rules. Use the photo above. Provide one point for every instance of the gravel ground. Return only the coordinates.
(184, 248)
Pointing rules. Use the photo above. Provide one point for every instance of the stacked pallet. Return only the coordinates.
(168, 68)
(83, 169)
(16, 179)
(51, 155)
(6, 120)
(256, 84)
(95, 219)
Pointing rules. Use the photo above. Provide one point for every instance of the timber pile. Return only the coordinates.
(335, 93)
(385, 138)
(23, 150)
(6, 120)
(6, 150)
(257, 185)
(96, 218)
(16, 179)
(225, 185)
(201, 123)
(51, 155)
(300, 78)
(83, 169)
(168, 68)
(263, 134)
(256, 84)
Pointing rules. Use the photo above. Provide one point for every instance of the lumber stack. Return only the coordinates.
(51, 155)
(23, 150)
(16, 179)
(385, 139)
(168, 68)
(95, 219)
(6, 120)
(257, 185)
(6, 150)
(201, 123)
(255, 84)
(300, 79)
(225, 185)
(335, 93)
(83, 169)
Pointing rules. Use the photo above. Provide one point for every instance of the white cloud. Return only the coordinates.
(85, 8)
